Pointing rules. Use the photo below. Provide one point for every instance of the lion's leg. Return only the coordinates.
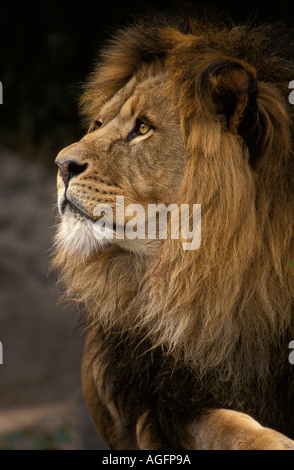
(99, 413)
(231, 430)
(145, 436)
(221, 430)
(104, 417)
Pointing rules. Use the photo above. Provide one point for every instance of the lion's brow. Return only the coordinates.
(134, 105)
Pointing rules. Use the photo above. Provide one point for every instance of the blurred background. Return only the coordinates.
(47, 49)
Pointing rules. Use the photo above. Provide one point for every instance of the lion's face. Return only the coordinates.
(134, 149)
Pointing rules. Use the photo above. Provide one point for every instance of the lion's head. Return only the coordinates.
(187, 117)
(134, 149)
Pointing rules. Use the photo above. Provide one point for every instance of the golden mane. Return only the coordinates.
(218, 305)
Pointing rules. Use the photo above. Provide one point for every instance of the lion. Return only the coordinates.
(186, 349)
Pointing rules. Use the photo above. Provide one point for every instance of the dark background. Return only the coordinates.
(47, 49)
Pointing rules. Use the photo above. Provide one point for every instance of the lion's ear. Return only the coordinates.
(231, 90)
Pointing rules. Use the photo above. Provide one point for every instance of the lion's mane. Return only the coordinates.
(225, 311)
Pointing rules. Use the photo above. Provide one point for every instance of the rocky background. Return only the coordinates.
(41, 403)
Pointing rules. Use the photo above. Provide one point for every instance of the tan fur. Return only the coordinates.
(233, 294)
(231, 430)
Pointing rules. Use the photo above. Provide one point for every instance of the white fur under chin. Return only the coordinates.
(79, 235)
(75, 236)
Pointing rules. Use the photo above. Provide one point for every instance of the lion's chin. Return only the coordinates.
(75, 236)
(78, 235)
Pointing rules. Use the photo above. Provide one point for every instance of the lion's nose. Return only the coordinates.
(69, 169)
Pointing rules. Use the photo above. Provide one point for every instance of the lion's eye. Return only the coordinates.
(141, 128)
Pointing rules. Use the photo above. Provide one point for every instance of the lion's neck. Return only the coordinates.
(179, 310)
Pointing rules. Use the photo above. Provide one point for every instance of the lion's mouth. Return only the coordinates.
(77, 209)
(72, 207)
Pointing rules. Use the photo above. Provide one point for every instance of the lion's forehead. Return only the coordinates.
(140, 94)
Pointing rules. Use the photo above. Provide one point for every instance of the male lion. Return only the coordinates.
(186, 349)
